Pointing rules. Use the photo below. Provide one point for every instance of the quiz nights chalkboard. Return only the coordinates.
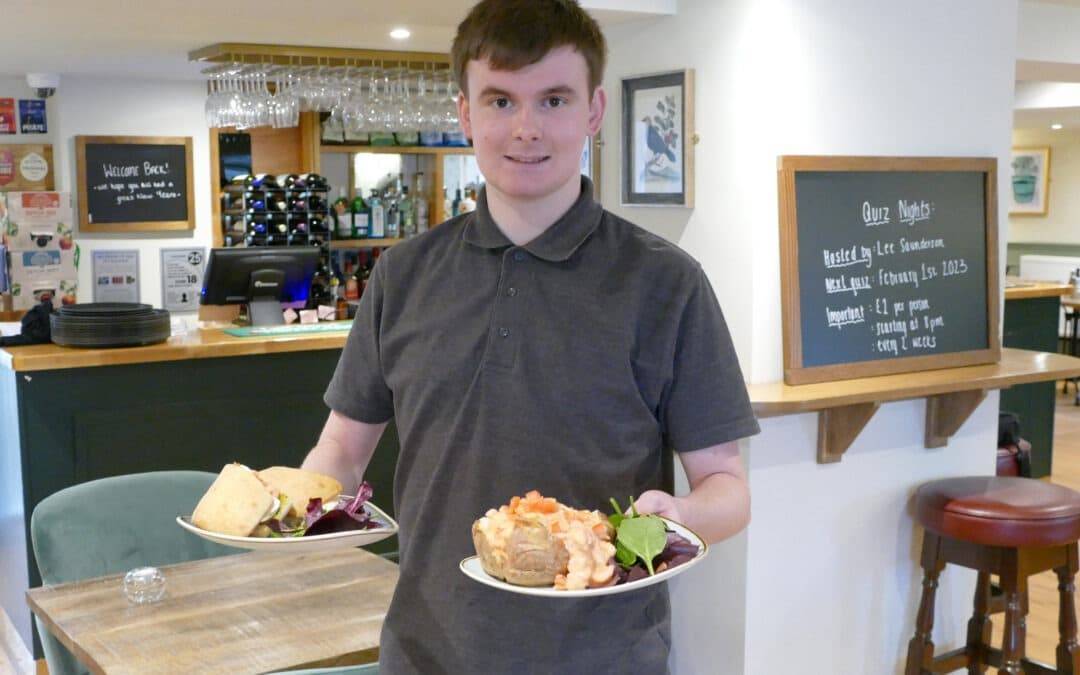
(131, 183)
(890, 265)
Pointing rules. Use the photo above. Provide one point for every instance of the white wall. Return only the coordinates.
(827, 575)
(126, 107)
(1061, 224)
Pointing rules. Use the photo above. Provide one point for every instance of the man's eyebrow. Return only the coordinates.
(561, 89)
(493, 91)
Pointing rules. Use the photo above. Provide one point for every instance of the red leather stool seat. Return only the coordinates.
(1000, 511)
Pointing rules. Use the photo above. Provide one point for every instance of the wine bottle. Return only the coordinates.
(286, 180)
(378, 217)
(408, 221)
(311, 181)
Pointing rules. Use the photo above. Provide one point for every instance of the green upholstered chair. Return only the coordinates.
(110, 526)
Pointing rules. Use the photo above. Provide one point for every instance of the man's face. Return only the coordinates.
(529, 126)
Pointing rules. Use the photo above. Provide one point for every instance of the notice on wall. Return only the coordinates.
(888, 265)
(7, 116)
(32, 116)
(116, 276)
(181, 278)
(134, 183)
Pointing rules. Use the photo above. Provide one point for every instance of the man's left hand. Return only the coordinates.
(660, 503)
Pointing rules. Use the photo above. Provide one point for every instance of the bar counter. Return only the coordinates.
(203, 343)
(195, 402)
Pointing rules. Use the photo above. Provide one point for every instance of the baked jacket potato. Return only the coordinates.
(535, 541)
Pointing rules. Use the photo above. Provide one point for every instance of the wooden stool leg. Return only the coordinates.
(921, 648)
(1012, 649)
(978, 632)
(1068, 653)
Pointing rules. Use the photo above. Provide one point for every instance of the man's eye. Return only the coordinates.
(501, 102)
(556, 101)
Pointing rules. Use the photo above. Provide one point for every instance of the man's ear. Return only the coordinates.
(597, 106)
(463, 114)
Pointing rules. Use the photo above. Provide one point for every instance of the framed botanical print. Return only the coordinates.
(590, 162)
(657, 133)
(1030, 181)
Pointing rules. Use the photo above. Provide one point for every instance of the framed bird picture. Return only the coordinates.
(657, 139)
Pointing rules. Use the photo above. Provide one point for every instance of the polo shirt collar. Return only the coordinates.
(557, 243)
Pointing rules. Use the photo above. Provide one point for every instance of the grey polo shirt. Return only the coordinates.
(568, 366)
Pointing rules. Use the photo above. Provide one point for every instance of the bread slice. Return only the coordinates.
(235, 504)
(300, 486)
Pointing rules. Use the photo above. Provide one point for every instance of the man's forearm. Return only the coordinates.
(718, 508)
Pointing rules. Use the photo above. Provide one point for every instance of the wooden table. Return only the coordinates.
(247, 613)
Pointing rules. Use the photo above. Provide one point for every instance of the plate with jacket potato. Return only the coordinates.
(535, 545)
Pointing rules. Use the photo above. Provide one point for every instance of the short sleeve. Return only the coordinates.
(358, 389)
(706, 402)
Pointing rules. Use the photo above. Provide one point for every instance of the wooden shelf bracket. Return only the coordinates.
(838, 427)
(945, 413)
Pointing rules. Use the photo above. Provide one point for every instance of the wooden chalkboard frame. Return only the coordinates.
(151, 226)
(795, 372)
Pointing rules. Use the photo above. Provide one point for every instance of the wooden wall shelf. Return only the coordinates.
(952, 395)
(336, 244)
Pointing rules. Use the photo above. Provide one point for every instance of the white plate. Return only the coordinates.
(474, 570)
(318, 542)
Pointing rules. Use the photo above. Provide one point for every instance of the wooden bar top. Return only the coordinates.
(203, 343)
(1017, 366)
(1019, 289)
(247, 613)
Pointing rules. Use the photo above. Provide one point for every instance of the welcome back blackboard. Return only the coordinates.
(134, 183)
(888, 265)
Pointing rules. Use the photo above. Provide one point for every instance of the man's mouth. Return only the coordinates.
(523, 159)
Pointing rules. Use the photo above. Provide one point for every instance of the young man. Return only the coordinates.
(537, 343)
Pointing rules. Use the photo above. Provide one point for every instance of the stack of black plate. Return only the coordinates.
(109, 324)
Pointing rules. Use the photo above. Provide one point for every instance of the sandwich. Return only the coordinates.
(274, 502)
(297, 487)
(235, 504)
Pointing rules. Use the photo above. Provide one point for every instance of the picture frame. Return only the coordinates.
(590, 162)
(658, 139)
(1029, 184)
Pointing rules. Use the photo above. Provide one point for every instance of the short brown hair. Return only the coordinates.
(512, 34)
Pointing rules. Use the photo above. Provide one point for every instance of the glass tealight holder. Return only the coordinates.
(144, 585)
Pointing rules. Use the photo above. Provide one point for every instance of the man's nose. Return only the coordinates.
(526, 125)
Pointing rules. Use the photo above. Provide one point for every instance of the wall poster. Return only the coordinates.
(181, 278)
(116, 276)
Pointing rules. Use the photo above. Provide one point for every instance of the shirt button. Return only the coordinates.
(511, 291)
(519, 256)
(504, 332)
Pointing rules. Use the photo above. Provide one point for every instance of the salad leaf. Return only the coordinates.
(644, 536)
(343, 517)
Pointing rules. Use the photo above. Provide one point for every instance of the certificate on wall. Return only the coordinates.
(116, 276)
(181, 278)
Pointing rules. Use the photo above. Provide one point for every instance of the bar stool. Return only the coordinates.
(1011, 527)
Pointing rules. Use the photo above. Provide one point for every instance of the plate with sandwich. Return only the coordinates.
(286, 509)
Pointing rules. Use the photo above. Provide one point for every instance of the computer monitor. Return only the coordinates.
(261, 278)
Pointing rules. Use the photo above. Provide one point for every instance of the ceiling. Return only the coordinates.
(152, 38)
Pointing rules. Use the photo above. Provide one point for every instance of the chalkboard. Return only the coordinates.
(889, 265)
(133, 183)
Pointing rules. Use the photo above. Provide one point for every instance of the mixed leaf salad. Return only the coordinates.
(644, 546)
(344, 516)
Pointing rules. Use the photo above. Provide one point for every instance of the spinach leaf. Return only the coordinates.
(624, 556)
(616, 518)
(643, 536)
